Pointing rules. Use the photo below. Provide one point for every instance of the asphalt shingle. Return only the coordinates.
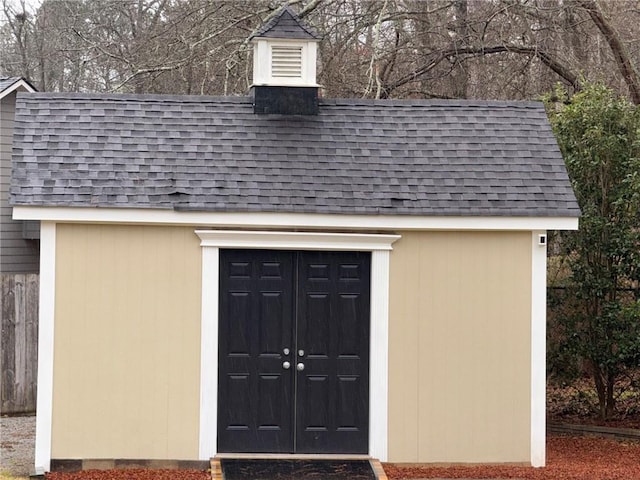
(357, 156)
(286, 24)
(6, 82)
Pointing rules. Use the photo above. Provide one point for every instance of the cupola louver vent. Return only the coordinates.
(286, 61)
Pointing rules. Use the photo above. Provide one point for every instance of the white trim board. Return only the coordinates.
(379, 245)
(538, 347)
(316, 221)
(44, 406)
(209, 354)
(295, 240)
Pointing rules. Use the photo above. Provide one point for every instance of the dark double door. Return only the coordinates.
(293, 352)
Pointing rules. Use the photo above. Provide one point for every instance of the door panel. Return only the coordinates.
(332, 398)
(255, 394)
(317, 302)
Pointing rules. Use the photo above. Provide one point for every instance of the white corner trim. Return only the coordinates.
(16, 86)
(378, 245)
(314, 221)
(44, 406)
(538, 348)
(295, 240)
(209, 354)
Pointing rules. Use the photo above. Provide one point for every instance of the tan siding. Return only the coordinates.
(127, 342)
(459, 347)
(404, 310)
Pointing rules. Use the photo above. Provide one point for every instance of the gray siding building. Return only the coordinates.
(19, 240)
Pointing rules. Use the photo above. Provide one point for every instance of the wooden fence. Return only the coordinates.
(19, 343)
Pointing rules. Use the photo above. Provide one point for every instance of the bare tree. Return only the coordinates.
(19, 27)
(503, 49)
(618, 48)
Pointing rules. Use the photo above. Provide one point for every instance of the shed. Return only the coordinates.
(367, 278)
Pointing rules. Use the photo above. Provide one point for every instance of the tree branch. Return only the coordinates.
(620, 52)
(555, 65)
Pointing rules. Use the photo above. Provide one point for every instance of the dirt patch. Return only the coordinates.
(17, 436)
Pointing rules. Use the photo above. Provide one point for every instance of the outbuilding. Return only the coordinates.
(285, 274)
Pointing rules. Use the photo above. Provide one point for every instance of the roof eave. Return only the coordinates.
(315, 221)
(18, 84)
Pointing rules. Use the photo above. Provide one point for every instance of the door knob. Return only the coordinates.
(300, 366)
(286, 365)
(285, 351)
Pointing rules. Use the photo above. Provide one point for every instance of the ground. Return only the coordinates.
(569, 458)
(17, 436)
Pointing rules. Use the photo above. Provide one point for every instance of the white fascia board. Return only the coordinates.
(16, 86)
(289, 220)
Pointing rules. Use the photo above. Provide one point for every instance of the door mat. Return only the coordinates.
(277, 469)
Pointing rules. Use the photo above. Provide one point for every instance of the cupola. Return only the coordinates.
(284, 66)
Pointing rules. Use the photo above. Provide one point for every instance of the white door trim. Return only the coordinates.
(209, 353)
(379, 245)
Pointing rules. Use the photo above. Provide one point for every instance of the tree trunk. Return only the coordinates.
(601, 389)
(611, 401)
(460, 78)
(620, 52)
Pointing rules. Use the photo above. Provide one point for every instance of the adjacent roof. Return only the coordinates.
(286, 24)
(9, 84)
(6, 82)
(356, 157)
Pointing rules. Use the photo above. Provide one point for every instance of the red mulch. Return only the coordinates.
(568, 458)
(131, 474)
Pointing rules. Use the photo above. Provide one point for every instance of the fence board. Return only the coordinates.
(19, 341)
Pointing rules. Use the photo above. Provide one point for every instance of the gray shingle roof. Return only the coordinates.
(356, 156)
(6, 82)
(286, 24)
